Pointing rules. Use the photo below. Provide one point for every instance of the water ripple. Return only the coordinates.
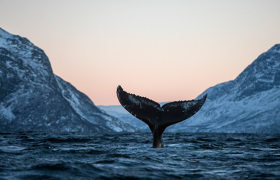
(33, 155)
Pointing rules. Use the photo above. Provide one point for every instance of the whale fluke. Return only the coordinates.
(155, 116)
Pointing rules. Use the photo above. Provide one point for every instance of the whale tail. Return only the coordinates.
(156, 117)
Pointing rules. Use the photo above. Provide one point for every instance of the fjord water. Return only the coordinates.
(33, 155)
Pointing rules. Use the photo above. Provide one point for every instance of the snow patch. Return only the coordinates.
(2, 42)
(266, 80)
(114, 127)
(6, 112)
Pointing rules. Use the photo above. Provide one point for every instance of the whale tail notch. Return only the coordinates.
(155, 116)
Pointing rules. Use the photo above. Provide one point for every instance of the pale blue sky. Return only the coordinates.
(165, 50)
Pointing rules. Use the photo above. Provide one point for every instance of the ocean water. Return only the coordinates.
(33, 155)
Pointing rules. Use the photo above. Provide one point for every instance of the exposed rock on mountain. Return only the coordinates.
(33, 98)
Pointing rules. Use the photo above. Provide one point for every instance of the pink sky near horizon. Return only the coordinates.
(163, 50)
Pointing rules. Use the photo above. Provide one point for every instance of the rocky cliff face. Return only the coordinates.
(248, 104)
(33, 98)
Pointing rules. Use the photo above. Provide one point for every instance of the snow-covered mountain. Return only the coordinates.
(33, 98)
(248, 104)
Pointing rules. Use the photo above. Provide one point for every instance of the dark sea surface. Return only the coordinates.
(33, 155)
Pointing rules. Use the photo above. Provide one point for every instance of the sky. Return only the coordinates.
(166, 50)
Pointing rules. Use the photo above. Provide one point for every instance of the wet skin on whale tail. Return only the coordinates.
(156, 117)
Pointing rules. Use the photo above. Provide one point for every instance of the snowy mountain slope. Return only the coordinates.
(33, 98)
(248, 104)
